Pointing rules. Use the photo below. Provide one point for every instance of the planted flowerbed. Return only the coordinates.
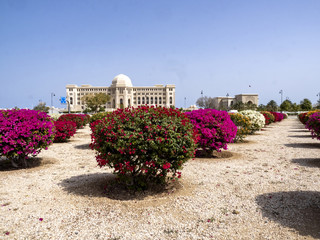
(311, 120)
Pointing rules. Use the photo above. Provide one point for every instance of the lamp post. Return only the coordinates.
(319, 96)
(202, 93)
(185, 101)
(281, 92)
(227, 101)
(52, 95)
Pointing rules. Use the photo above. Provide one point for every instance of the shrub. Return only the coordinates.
(143, 144)
(55, 116)
(269, 117)
(278, 116)
(98, 116)
(257, 120)
(313, 124)
(79, 119)
(243, 125)
(86, 118)
(24, 132)
(215, 130)
(64, 130)
(303, 117)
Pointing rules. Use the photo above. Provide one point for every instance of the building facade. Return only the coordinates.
(123, 94)
(227, 102)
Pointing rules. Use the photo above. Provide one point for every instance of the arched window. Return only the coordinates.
(71, 100)
(129, 103)
(139, 100)
(170, 100)
(147, 100)
(142, 100)
(160, 100)
(151, 100)
(155, 100)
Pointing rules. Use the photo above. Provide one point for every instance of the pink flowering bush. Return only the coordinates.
(313, 124)
(215, 129)
(24, 132)
(64, 130)
(80, 119)
(278, 116)
(143, 144)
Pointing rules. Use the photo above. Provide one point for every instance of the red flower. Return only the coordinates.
(166, 165)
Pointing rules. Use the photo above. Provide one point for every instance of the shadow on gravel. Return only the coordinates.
(5, 164)
(299, 131)
(303, 145)
(298, 209)
(105, 185)
(82, 146)
(307, 162)
(300, 136)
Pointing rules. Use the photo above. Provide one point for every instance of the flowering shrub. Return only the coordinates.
(98, 116)
(55, 116)
(243, 125)
(24, 132)
(64, 130)
(257, 120)
(215, 130)
(303, 117)
(269, 117)
(86, 118)
(79, 119)
(278, 116)
(313, 124)
(143, 144)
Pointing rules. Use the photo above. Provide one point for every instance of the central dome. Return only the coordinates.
(121, 80)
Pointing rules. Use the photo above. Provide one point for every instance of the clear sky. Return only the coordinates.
(218, 46)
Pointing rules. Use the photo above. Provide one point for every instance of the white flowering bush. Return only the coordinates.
(256, 118)
(55, 116)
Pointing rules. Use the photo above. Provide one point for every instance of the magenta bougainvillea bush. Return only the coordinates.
(215, 129)
(64, 130)
(144, 145)
(313, 124)
(80, 119)
(23, 133)
(278, 116)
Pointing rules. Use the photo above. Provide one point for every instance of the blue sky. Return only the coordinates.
(216, 46)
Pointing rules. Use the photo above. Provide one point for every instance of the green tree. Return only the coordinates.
(295, 107)
(286, 105)
(205, 102)
(95, 102)
(262, 107)
(306, 105)
(272, 106)
(42, 107)
(240, 106)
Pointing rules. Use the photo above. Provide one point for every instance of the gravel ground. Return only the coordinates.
(268, 189)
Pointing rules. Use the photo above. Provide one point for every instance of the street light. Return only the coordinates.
(185, 100)
(281, 92)
(52, 95)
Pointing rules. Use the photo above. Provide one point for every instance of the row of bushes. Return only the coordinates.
(311, 120)
(142, 144)
(24, 132)
(249, 121)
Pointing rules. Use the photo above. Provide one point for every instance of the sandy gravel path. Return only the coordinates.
(269, 189)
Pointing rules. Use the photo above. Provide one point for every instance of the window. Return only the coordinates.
(151, 100)
(70, 89)
(170, 100)
(138, 100)
(71, 100)
(160, 99)
(147, 100)
(142, 100)
(155, 100)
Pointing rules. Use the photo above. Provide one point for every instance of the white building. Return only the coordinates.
(123, 94)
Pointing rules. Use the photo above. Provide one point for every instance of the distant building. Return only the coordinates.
(123, 94)
(227, 102)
